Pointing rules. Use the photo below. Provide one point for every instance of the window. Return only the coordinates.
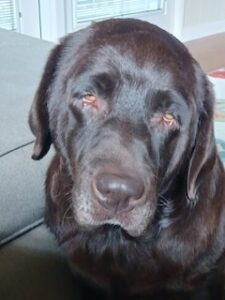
(51, 19)
(8, 14)
(85, 11)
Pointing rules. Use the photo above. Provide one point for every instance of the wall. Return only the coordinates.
(203, 17)
(203, 11)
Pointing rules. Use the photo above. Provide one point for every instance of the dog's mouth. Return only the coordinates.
(113, 232)
(104, 237)
(132, 223)
(89, 215)
(124, 224)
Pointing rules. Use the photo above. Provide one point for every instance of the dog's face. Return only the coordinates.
(123, 102)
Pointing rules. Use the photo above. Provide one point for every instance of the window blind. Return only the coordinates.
(7, 14)
(88, 10)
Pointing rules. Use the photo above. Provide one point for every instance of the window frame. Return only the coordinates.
(161, 18)
(141, 14)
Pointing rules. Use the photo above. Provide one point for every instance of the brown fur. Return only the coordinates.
(138, 71)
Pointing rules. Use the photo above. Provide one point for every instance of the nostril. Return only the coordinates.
(117, 192)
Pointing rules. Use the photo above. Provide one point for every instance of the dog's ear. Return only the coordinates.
(38, 116)
(204, 151)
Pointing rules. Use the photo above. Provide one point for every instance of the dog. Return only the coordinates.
(135, 193)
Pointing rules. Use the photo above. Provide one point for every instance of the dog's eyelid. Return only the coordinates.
(82, 94)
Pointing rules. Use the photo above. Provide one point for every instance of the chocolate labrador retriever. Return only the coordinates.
(135, 193)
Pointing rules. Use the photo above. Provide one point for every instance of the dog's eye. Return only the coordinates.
(168, 118)
(164, 120)
(89, 99)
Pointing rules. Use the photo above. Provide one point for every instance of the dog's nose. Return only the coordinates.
(118, 193)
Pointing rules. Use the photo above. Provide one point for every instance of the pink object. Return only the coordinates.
(218, 74)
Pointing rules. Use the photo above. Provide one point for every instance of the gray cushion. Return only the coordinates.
(22, 59)
(21, 190)
(32, 268)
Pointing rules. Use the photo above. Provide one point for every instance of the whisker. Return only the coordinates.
(163, 200)
(65, 215)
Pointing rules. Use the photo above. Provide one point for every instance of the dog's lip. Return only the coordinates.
(100, 216)
(129, 232)
(121, 219)
(104, 216)
(70, 236)
(111, 222)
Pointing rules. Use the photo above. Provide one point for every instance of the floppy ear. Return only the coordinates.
(204, 152)
(38, 116)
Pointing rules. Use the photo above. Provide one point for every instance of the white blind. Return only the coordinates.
(88, 10)
(7, 14)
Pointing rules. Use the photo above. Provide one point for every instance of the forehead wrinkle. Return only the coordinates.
(132, 82)
(125, 65)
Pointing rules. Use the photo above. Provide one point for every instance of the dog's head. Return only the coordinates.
(130, 115)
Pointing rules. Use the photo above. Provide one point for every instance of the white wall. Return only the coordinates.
(203, 17)
(52, 17)
(29, 22)
(203, 11)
